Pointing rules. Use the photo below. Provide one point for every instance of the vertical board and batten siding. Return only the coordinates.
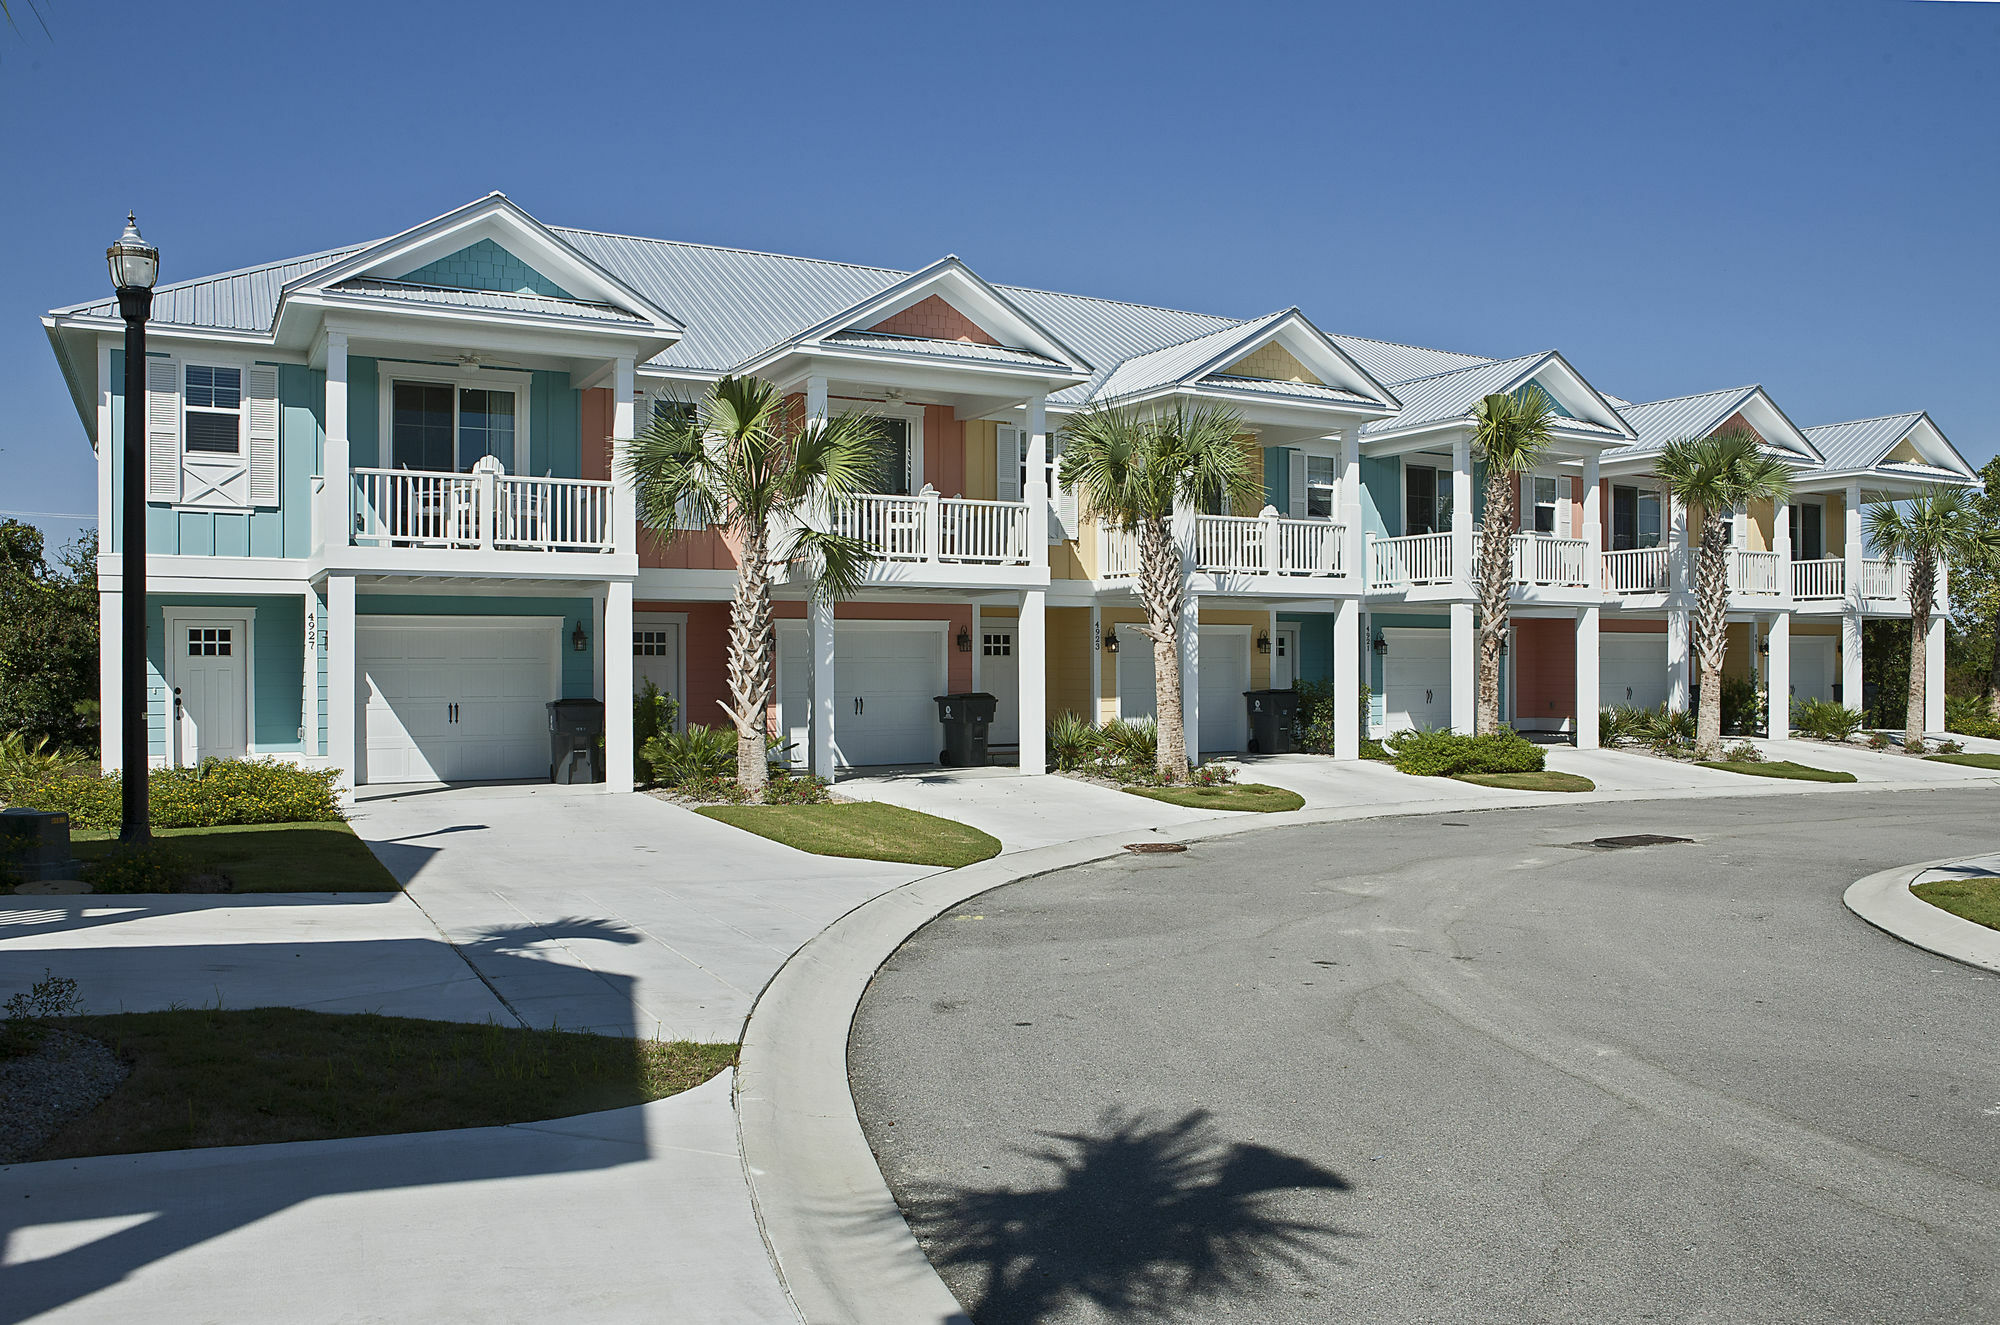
(1315, 660)
(1544, 670)
(277, 648)
(578, 669)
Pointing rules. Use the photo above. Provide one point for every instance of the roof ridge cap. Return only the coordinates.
(1407, 345)
(1718, 391)
(747, 252)
(1873, 418)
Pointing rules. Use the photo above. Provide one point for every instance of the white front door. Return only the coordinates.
(1224, 662)
(1284, 657)
(211, 689)
(1416, 678)
(1000, 676)
(451, 702)
(1632, 670)
(657, 657)
(1813, 671)
(886, 679)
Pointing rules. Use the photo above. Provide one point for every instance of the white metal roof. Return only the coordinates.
(506, 301)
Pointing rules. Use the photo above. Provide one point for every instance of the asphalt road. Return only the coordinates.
(1455, 1068)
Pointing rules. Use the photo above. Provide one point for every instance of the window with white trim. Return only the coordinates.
(212, 404)
(441, 428)
(1544, 497)
(1322, 479)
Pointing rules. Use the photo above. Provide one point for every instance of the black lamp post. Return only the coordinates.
(135, 265)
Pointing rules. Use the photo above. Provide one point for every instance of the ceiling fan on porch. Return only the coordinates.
(473, 362)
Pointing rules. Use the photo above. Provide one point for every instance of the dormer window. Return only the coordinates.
(214, 409)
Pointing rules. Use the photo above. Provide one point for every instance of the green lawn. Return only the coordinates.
(1777, 768)
(1978, 900)
(232, 1078)
(1969, 761)
(1252, 796)
(266, 858)
(1545, 780)
(866, 830)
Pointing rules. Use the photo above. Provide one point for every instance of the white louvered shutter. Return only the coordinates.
(1007, 462)
(1295, 483)
(163, 430)
(1564, 489)
(1065, 495)
(260, 405)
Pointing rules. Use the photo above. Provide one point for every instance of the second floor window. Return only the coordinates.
(892, 475)
(214, 409)
(1635, 518)
(1322, 471)
(1808, 531)
(441, 428)
(1545, 493)
(1426, 500)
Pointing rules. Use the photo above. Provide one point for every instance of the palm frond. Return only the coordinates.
(838, 457)
(1510, 430)
(834, 564)
(1937, 522)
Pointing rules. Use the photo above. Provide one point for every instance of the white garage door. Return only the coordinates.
(1416, 678)
(1632, 670)
(1812, 667)
(885, 682)
(1225, 675)
(456, 702)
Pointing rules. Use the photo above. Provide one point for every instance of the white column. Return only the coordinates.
(1850, 654)
(1464, 668)
(1593, 522)
(1036, 495)
(1096, 665)
(978, 647)
(1352, 555)
(336, 516)
(1031, 661)
(819, 624)
(1934, 672)
(614, 641)
(1677, 659)
(815, 397)
(1190, 651)
(1347, 731)
(309, 696)
(1781, 542)
(624, 509)
(1778, 671)
(110, 678)
(1851, 549)
(344, 738)
(1587, 624)
(1461, 519)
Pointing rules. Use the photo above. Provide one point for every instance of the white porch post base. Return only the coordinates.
(819, 623)
(1778, 673)
(1464, 668)
(1588, 621)
(343, 710)
(1031, 656)
(616, 643)
(1934, 674)
(1347, 731)
(1850, 660)
(1190, 651)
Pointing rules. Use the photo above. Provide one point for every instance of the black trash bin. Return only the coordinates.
(1274, 717)
(966, 719)
(575, 728)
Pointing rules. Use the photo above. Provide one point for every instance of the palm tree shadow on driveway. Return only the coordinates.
(1145, 1219)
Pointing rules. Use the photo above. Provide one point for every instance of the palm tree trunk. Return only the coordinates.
(1923, 586)
(750, 639)
(1160, 588)
(1711, 633)
(1496, 584)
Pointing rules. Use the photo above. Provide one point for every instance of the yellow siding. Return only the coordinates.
(979, 468)
(1904, 453)
(1834, 518)
(1762, 535)
(1736, 658)
(1069, 661)
(1275, 362)
(1066, 562)
(1260, 663)
(1813, 628)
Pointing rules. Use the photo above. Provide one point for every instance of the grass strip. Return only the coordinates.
(1777, 768)
(1968, 761)
(1977, 900)
(1254, 797)
(864, 830)
(266, 858)
(1547, 779)
(211, 1077)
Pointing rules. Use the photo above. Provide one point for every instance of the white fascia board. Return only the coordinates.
(76, 357)
(948, 272)
(474, 563)
(161, 331)
(1422, 436)
(372, 332)
(1942, 454)
(1303, 335)
(216, 575)
(380, 318)
(1008, 381)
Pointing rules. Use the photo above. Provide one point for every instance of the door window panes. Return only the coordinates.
(892, 473)
(485, 427)
(208, 642)
(420, 422)
(1808, 531)
(1321, 472)
(1543, 493)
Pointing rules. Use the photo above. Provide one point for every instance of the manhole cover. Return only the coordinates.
(1634, 840)
(1155, 848)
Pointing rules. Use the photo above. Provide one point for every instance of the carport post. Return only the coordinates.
(819, 621)
(1934, 660)
(1464, 669)
(1190, 660)
(343, 718)
(1677, 660)
(1587, 622)
(615, 641)
(1778, 672)
(1347, 679)
(1031, 657)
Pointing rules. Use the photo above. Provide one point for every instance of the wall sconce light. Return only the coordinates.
(577, 639)
(1264, 642)
(1382, 644)
(1111, 641)
(964, 640)
(1763, 644)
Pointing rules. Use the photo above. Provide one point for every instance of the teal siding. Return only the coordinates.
(1555, 406)
(277, 658)
(1382, 496)
(555, 426)
(486, 266)
(364, 414)
(1278, 478)
(578, 669)
(1315, 660)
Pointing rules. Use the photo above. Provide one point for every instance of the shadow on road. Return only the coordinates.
(1145, 1219)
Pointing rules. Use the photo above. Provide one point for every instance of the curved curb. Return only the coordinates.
(1885, 901)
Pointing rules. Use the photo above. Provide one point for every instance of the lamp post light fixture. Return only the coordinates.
(135, 266)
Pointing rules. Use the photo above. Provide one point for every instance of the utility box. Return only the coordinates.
(34, 845)
(1274, 720)
(966, 719)
(576, 727)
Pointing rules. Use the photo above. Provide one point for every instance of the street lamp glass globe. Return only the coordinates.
(135, 264)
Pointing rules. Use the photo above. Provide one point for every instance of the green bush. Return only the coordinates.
(1969, 716)
(1622, 724)
(1318, 703)
(1742, 707)
(713, 789)
(154, 868)
(1951, 747)
(219, 792)
(1212, 775)
(1825, 719)
(1743, 753)
(26, 764)
(699, 754)
(1447, 754)
(795, 789)
(1129, 748)
(1073, 743)
(653, 714)
(1372, 749)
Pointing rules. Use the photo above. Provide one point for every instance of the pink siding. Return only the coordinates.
(596, 429)
(1544, 669)
(934, 319)
(1613, 625)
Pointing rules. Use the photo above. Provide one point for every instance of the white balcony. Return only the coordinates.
(1820, 580)
(1756, 574)
(484, 510)
(1268, 545)
(1410, 561)
(930, 528)
(1884, 579)
(1639, 570)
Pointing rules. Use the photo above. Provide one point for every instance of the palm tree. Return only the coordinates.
(1510, 432)
(1131, 466)
(749, 460)
(1716, 474)
(1935, 528)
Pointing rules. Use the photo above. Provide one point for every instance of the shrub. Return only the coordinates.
(1073, 743)
(1742, 706)
(713, 789)
(1447, 754)
(153, 868)
(795, 789)
(1667, 731)
(1212, 775)
(1825, 719)
(1318, 704)
(1743, 753)
(653, 715)
(1622, 724)
(1372, 749)
(1951, 747)
(219, 792)
(1129, 748)
(1879, 741)
(1969, 715)
(28, 763)
(699, 754)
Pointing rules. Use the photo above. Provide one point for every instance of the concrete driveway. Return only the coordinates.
(1022, 811)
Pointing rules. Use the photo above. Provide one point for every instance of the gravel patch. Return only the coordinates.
(66, 1077)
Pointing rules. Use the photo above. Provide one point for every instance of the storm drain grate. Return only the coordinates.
(1154, 848)
(1633, 840)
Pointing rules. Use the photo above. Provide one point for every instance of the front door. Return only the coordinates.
(211, 689)
(1284, 656)
(1000, 676)
(656, 657)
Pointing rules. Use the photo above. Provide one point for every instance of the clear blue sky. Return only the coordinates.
(1679, 197)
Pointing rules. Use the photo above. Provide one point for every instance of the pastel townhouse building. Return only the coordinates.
(385, 526)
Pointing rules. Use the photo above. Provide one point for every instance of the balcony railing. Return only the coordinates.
(1883, 578)
(1817, 581)
(1117, 552)
(1638, 570)
(928, 527)
(485, 509)
(1755, 573)
(1413, 559)
(1267, 545)
(1561, 563)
